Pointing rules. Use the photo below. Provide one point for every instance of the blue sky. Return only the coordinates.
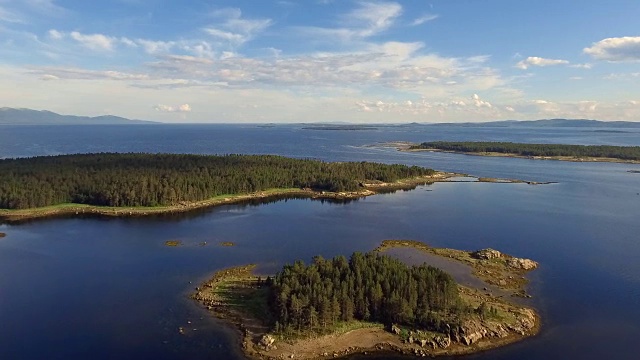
(323, 60)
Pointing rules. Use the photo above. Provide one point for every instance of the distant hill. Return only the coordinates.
(11, 116)
(584, 123)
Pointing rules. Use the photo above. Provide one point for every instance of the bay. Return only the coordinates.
(73, 288)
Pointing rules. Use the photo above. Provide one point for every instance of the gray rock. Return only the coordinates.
(519, 263)
(267, 340)
(487, 254)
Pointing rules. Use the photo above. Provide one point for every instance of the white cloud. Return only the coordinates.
(97, 42)
(48, 7)
(184, 108)
(49, 77)
(55, 34)
(616, 49)
(366, 20)
(10, 17)
(374, 17)
(582, 66)
(235, 29)
(423, 19)
(52, 73)
(155, 47)
(538, 61)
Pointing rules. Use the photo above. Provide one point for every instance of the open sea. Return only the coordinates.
(99, 288)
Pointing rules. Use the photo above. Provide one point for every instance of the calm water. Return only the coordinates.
(109, 288)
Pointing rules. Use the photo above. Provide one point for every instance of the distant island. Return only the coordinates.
(604, 153)
(341, 127)
(142, 184)
(11, 116)
(372, 302)
(561, 123)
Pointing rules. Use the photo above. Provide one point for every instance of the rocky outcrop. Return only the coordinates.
(472, 331)
(524, 264)
(267, 341)
(487, 254)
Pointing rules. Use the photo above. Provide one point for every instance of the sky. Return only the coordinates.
(250, 61)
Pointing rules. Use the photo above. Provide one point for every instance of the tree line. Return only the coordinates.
(608, 151)
(369, 287)
(140, 179)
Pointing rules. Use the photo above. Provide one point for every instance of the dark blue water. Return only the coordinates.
(109, 288)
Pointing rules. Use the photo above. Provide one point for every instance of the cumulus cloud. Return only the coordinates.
(184, 108)
(538, 61)
(616, 49)
(424, 106)
(94, 41)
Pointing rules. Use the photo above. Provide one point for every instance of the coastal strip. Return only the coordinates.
(366, 189)
(562, 152)
(240, 299)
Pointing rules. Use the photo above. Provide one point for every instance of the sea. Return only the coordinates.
(109, 288)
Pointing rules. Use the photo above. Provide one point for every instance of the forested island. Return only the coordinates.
(539, 151)
(137, 183)
(369, 302)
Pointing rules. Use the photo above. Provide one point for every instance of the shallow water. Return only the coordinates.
(74, 288)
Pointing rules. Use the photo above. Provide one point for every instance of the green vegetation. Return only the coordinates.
(151, 180)
(367, 287)
(552, 150)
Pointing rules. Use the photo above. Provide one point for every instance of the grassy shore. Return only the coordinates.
(367, 189)
(237, 296)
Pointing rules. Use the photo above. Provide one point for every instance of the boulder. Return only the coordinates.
(487, 254)
(267, 340)
(442, 342)
(524, 264)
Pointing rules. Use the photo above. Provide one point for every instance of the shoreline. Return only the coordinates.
(406, 147)
(368, 189)
(516, 322)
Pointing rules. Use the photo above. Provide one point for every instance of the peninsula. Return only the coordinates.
(137, 184)
(598, 153)
(371, 303)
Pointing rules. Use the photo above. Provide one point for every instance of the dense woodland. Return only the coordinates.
(616, 152)
(367, 287)
(135, 179)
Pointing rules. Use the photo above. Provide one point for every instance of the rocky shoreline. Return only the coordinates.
(510, 322)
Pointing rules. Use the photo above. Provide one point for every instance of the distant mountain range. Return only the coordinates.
(11, 116)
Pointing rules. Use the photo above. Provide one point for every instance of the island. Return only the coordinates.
(372, 303)
(137, 184)
(601, 153)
